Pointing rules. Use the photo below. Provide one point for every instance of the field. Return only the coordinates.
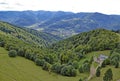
(21, 69)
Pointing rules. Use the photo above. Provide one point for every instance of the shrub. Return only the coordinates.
(108, 76)
(68, 71)
(39, 62)
(12, 53)
(98, 72)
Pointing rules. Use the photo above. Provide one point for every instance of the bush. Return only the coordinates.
(75, 64)
(12, 53)
(108, 76)
(46, 66)
(39, 62)
(68, 71)
(98, 72)
(56, 68)
(81, 69)
(117, 64)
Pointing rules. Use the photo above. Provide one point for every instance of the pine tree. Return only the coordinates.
(98, 72)
(108, 76)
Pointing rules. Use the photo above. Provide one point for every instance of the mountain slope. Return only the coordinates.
(28, 35)
(62, 24)
(95, 40)
(28, 18)
(68, 25)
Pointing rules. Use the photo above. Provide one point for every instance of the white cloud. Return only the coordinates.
(104, 6)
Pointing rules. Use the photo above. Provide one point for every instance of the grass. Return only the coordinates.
(116, 74)
(21, 69)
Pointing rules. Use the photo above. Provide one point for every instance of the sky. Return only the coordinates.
(102, 6)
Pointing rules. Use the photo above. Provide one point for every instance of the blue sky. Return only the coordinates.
(103, 6)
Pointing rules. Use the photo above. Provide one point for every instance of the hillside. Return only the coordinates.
(28, 18)
(95, 40)
(21, 69)
(67, 57)
(28, 35)
(62, 24)
(68, 25)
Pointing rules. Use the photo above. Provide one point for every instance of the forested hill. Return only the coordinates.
(28, 35)
(99, 39)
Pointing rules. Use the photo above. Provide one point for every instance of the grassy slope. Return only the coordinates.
(116, 72)
(20, 69)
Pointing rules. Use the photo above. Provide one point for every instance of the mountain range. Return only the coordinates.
(62, 24)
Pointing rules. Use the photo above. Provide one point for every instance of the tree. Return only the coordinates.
(56, 67)
(117, 64)
(86, 67)
(75, 64)
(108, 76)
(46, 66)
(98, 72)
(2, 43)
(103, 64)
(12, 53)
(91, 60)
(81, 69)
(68, 71)
(39, 62)
(80, 79)
(21, 52)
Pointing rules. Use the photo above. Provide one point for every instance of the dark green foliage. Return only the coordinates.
(12, 53)
(21, 52)
(108, 76)
(68, 71)
(50, 58)
(107, 61)
(56, 68)
(86, 42)
(80, 79)
(2, 43)
(98, 72)
(91, 60)
(103, 64)
(85, 67)
(39, 62)
(75, 64)
(46, 66)
(117, 64)
(81, 69)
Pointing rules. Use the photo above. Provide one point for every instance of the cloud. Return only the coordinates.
(3, 3)
(103, 6)
(19, 4)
